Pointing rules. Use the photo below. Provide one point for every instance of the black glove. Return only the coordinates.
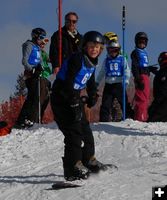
(91, 101)
(76, 112)
(153, 69)
(139, 84)
(37, 70)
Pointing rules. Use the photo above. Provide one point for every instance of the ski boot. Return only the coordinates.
(79, 171)
(95, 166)
(22, 125)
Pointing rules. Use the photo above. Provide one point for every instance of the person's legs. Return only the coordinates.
(73, 141)
(106, 104)
(44, 98)
(88, 151)
(29, 105)
(142, 100)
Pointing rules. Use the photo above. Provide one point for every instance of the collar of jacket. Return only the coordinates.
(90, 62)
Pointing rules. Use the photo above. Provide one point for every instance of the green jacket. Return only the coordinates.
(45, 63)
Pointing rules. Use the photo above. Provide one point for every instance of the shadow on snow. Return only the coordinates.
(34, 179)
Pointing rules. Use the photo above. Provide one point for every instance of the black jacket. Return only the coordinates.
(70, 45)
(160, 86)
(158, 108)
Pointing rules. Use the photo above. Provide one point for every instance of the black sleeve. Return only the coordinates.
(53, 51)
(160, 86)
(91, 86)
(135, 65)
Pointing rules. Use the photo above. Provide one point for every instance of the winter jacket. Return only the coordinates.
(31, 55)
(45, 64)
(64, 88)
(71, 43)
(139, 63)
(104, 70)
(158, 108)
(160, 86)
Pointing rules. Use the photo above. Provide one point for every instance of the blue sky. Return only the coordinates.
(18, 17)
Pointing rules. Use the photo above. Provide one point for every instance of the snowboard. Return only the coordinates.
(72, 184)
(64, 184)
(110, 166)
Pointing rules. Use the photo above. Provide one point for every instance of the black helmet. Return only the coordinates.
(93, 36)
(162, 59)
(38, 33)
(141, 35)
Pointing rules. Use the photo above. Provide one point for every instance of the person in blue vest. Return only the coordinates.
(32, 62)
(76, 74)
(112, 70)
(141, 74)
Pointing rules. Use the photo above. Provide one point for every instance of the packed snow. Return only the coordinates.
(30, 162)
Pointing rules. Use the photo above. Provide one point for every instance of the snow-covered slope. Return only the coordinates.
(30, 161)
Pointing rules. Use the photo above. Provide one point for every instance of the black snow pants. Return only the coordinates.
(78, 137)
(110, 92)
(30, 108)
(158, 111)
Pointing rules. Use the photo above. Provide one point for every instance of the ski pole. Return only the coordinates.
(60, 33)
(53, 77)
(123, 49)
(39, 101)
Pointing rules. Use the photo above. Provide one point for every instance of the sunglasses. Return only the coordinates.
(71, 21)
(41, 37)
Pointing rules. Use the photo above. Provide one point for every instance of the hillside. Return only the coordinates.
(30, 161)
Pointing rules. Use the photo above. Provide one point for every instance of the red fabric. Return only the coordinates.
(4, 131)
(142, 98)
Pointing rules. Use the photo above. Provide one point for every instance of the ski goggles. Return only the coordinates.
(41, 37)
(114, 50)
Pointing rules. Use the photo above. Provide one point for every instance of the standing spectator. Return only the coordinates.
(76, 74)
(141, 73)
(112, 70)
(71, 41)
(158, 108)
(32, 62)
(45, 84)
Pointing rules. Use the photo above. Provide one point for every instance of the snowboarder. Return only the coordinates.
(141, 73)
(76, 74)
(112, 70)
(32, 62)
(158, 108)
(71, 41)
